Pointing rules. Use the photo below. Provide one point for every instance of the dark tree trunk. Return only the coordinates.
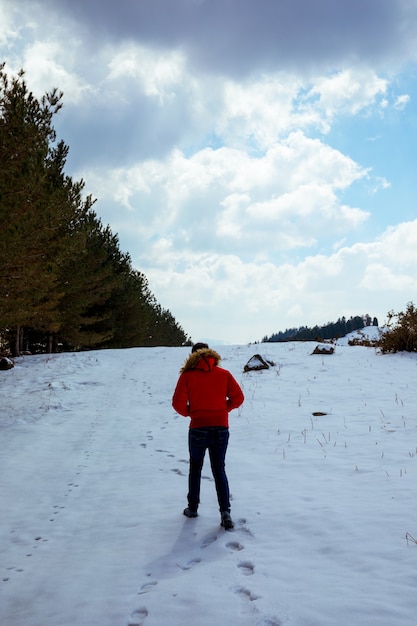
(16, 345)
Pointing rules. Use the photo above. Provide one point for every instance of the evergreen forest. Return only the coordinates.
(65, 284)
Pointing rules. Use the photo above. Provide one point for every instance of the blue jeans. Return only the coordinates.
(215, 440)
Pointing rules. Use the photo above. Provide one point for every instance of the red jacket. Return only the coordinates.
(206, 392)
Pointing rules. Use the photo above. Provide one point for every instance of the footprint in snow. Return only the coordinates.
(246, 567)
(246, 594)
(138, 617)
(235, 546)
(189, 564)
(270, 621)
(241, 525)
(208, 540)
(147, 587)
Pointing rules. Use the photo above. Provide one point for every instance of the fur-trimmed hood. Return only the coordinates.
(204, 359)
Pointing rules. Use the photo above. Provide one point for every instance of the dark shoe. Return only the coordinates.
(227, 522)
(189, 513)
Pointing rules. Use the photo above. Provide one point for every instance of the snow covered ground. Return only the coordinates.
(93, 480)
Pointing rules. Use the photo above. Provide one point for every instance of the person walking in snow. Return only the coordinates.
(207, 393)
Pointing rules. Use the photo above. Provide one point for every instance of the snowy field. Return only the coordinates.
(93, 481)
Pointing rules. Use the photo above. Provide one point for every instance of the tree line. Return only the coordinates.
(64, 282)
(331, 330)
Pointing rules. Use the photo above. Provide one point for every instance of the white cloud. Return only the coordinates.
(399, 245)
(348, 92)
(379, 276)
(228, 223)
(259, 111)
(46, 47)
(226, 199)
(9, 30)
(262, 111)
(159, 73)
(45, 63)
(401, 102)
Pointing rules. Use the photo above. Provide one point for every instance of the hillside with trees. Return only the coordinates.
(332, 330)
(63, 279)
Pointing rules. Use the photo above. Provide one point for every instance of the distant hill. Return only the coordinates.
(331, 330)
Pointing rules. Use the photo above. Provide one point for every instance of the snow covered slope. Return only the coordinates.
(322, 465)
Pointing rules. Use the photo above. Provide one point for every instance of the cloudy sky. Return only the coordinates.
(256, 157)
